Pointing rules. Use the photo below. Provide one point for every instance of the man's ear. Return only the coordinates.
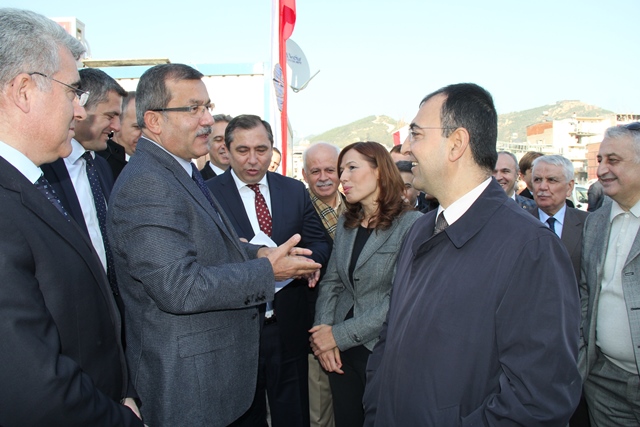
(20, 91)
(153, 122)
(458, 144)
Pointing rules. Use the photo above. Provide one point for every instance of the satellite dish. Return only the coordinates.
(297, 67)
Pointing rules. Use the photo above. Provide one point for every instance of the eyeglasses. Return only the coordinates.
(632, 126)
(194, 110)
(82, 95)
(413, 134)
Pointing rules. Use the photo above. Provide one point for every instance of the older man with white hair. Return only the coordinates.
(609, 286)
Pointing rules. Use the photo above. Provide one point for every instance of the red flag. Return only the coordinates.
(287, 22)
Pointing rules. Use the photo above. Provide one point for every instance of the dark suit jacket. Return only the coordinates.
(571, 234)
(115, 156)
(207, 172)
(191, 291)
(61, 362)
(58, 176)
(483, 325)
(292, 212)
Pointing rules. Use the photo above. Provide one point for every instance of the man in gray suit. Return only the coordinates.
(191, 288)
(552, 181)
(609, 286)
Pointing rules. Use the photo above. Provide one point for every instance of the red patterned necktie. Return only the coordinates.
(262, 210)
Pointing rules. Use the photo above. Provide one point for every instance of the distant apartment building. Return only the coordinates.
(577, 138)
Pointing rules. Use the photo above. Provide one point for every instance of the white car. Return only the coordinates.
(579, 197)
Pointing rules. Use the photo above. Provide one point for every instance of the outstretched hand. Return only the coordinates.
(288, 261)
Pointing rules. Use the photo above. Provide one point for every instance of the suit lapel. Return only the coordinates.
(601, 225)
(571, 230)
(375, 241)
(635, 250)
(278, 215)
(58, 176)
(344, 251)
(232, 204)
(69, 231)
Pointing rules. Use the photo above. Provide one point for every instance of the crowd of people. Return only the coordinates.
(416, 287)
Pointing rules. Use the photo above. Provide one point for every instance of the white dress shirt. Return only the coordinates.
(462, 205)
(559, 216)
(248, 197)
(77, 168)
(613, 334)
(20, 162)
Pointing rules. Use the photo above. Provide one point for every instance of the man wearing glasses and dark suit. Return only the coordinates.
(191, 288)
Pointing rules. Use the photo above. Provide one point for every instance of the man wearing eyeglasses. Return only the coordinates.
(483, 324)
(191, 288)
(610, 285)
(61, 360)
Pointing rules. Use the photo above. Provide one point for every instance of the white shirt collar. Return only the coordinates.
(462, 205)
(77, 150)
(263, 182)
(559, 216)
(186, 165)
(216, 169)
(21, 162)
(617, 210)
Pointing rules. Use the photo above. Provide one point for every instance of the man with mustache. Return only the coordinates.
(320, 171)
(610, 351)
(191, 288)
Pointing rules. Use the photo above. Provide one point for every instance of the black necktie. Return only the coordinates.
(441, 223)
(552, 223)
(197, 177)
(101, 210)
(47, 191)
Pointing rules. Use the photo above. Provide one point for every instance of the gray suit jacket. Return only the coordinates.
(571, 234)
(594, 248)
(373, 276)
(191, 291)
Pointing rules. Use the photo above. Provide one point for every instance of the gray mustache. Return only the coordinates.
(204, 130)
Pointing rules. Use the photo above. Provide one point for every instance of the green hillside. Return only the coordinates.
(381, 128)
(517, 122)
(372, 128)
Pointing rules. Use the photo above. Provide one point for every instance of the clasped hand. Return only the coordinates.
(288, 261)
(324, 347)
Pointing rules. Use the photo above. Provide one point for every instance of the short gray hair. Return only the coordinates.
(621, 131)
(222, 118)
(318, 144)
(557, 160)
(29, 42)
(513, 156)
(152, 90)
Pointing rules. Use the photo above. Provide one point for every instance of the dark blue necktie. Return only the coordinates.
(552, 224)
(47, 191)
(101, 209)
(197, 177)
